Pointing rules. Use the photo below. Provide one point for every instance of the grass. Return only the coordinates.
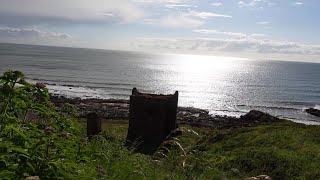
(283, 150)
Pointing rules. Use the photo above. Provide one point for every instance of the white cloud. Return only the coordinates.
(298, 3)
(263, 23)
(177, 5)
(60, 12)
(255, 3)
(213, 31)
(71, 11)
(233, 34)
(158, 1)
(6, 32)
(184, 19)
(175, 21)
(261, 47)
(108, 14)
(250, 3)
(206, 15)
(257, 35)
(216, 4)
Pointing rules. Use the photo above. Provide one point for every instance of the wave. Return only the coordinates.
(92, 87)
(82, 82)
(298, 103)
(109, 85)
(233, 111)
(269, 107)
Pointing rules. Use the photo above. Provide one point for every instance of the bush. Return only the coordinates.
(35, 139)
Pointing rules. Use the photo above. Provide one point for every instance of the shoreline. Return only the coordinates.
(114, 109)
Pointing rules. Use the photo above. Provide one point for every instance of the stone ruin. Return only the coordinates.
(152, 118)
(93, 124)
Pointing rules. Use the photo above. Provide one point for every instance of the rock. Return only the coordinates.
(119, 109)
(255, 116)
(40, 85)
(312, 111)
(252, 118)
(260, 177)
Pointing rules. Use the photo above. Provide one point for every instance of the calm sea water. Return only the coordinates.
(224, 86)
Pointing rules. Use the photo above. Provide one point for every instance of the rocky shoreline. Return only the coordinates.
(119, 109)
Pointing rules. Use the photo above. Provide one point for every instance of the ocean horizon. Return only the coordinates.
(221, 85)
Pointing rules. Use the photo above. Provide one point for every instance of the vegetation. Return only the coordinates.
(36, 139)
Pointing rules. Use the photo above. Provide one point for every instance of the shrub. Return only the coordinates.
(35, 139)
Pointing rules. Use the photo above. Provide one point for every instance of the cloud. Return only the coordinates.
(257, 35)
(254, 3)
(298, 3)
(233, 34)
(263, 23)
(206, 15)
(178, 6)
(14, 12)
(158, 1)
(251, 3)
(97, 12)
(175, 21)
(263, 47)
(183, 19)
(216, 4)
(7, 32)
(212, 31)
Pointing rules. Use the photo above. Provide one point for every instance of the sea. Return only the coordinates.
(222, 85)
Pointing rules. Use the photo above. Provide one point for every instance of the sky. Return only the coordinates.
(254, 29)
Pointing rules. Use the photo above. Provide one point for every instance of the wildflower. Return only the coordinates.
(49, 130)
(100, 170)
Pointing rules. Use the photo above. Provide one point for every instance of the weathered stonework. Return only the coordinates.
(151, 118)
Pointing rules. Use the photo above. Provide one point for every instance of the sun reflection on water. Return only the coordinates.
(204, 67)
(193, 76)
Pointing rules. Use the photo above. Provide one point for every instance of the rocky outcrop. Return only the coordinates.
(119, 109)
(312, 111)
(257, 117)
(252, 118)
(106, 108)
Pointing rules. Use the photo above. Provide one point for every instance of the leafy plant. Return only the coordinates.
(35, 139)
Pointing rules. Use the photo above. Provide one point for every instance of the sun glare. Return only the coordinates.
(202, 66)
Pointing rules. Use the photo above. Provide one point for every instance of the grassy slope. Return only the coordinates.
(283, 150)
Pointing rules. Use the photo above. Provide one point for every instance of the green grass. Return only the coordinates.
(282, 150)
